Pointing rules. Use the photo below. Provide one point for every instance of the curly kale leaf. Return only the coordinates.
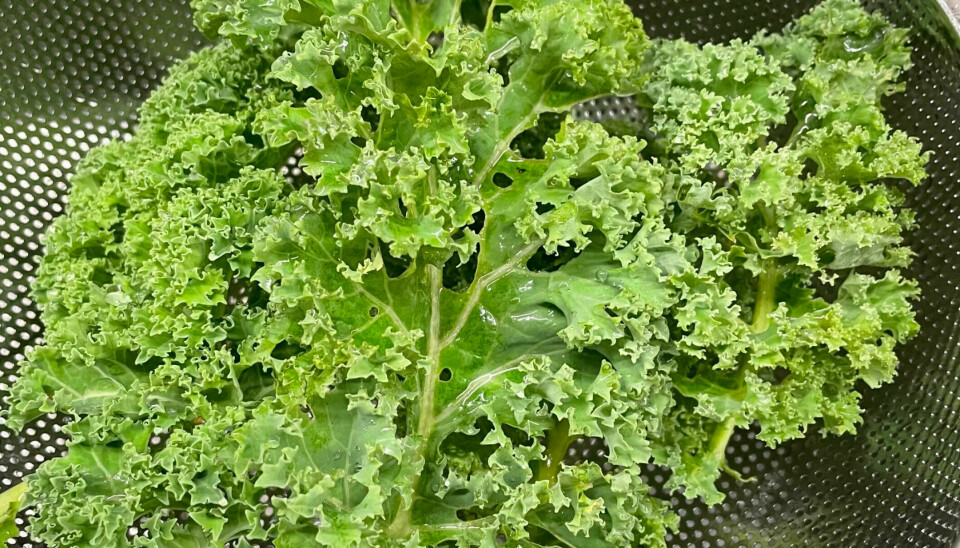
(225, 335)
(783, 169)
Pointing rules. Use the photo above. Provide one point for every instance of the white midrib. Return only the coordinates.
(484, 282)
(435, 346)
(478, 383)
(504, 143)
(425, 424)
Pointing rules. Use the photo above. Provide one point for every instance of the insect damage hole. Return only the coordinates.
(340, 69)
(458, 275)
(435, 40)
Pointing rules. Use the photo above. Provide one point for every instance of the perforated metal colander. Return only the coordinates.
(73, 72)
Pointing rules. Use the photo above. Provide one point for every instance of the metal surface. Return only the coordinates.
(72, 73)
(952, 9)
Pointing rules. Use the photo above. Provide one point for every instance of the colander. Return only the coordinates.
(73, 72)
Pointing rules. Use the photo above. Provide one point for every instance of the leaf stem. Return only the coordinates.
(767, 283)
(718, 448)
(489, 22)
(766, 296)
(558, 440)
(13, 495)
(721, 438)
(503, 145)
(763, 307)
(482, 282)
(400, 527)
(10, 501)
(427, 415)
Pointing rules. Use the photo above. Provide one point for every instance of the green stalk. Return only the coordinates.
(400, 527)
(558, 440)
(766, 297)
(490, 9)
(720, 439)
(432, 375)
(766, 301)
(13, 495)
(764, 306)
(10, 502)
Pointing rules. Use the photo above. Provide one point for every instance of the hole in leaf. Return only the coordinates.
(456, 276)
(530, 143)
(577, 182)
(541, 261)
(474, 14)
(435, 40)
(502, 66)
(502, 180)
(118, 232)
(499, 11)
(340, 69)
(256, 384)
(306, 410)
(827, 256)
(374, 312)
(285, 350)
(446, 374)
(395, 266)
(400, 420)
(479, 218)
(301, 96)
(810, 169)
(543, 208)
(370, 116)
(402, 206)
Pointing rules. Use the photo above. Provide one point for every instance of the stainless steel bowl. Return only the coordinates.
(72, 73)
